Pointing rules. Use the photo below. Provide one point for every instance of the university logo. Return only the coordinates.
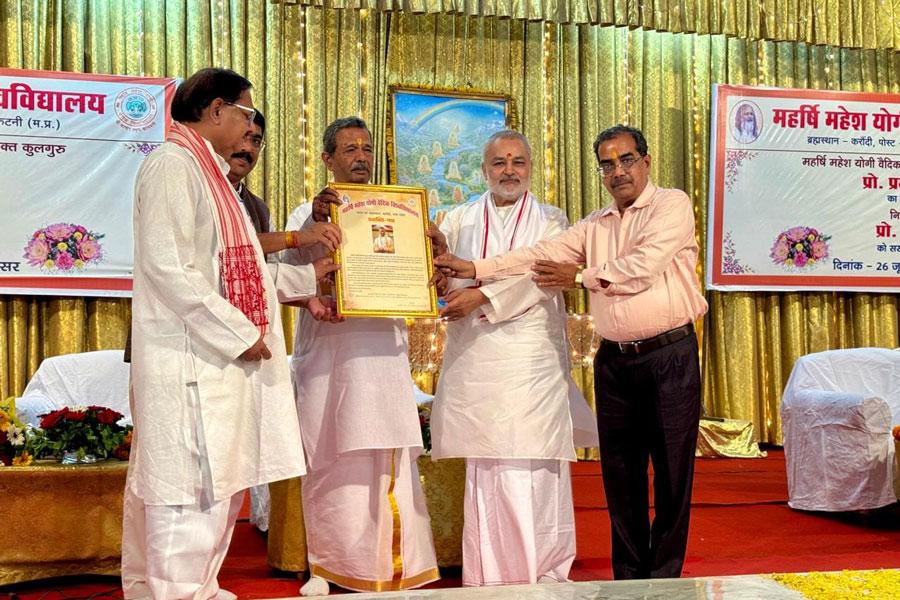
(135, 109)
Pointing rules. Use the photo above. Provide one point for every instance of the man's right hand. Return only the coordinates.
(324, 266)
(321, 209)
(258, 351)
(327, 234)
(438, 240)
(453, 266)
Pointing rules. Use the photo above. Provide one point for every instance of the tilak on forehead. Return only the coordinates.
(359, 141)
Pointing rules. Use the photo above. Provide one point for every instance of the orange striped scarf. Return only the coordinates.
(240, 275)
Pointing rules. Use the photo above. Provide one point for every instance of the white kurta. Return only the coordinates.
(367, 524)
(187, 335)
(352, 379)
(505, 389)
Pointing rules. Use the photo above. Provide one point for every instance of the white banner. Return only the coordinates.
(70, 148)
(804, 190)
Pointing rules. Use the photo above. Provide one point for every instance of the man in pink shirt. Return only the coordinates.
(641, 257)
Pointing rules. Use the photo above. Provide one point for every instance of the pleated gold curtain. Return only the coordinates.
(172, 38)
(870, 24)
(572, 69)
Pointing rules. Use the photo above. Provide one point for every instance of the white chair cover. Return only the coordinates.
(837, 411)
(88, 378)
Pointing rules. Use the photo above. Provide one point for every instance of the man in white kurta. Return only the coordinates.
(211, 392)
(505, 399)
(367, 525)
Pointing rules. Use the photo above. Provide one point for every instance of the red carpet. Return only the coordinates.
(740, 524)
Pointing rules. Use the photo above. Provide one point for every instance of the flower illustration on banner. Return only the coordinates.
(64, 247)
(730, 264)
(799, 247)
(144, 148)
(734, 160)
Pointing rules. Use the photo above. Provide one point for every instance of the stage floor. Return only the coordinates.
(740, 587)
(740, 526)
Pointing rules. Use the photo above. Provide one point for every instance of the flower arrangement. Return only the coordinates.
(63, 246)
(799, 247)
(86, 434)
(13, 449)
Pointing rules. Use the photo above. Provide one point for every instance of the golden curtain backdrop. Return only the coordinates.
(867, 24)
(568, 79)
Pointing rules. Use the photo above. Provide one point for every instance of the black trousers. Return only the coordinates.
(648, 408)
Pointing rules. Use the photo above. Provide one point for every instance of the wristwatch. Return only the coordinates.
(578, 280)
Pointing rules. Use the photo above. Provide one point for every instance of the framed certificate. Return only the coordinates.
(385, 256)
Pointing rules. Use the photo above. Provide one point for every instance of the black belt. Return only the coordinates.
(650, 344)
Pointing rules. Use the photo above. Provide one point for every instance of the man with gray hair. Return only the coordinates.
(367, 523)
(505, 400)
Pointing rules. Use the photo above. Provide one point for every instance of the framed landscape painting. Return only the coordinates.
(435, 138)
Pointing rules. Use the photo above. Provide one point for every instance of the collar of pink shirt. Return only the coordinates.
(642, 200)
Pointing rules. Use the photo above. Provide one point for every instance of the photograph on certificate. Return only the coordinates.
(385, 256)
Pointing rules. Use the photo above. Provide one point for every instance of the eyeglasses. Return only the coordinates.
(607, 168)
(256, 141)
(251, 112)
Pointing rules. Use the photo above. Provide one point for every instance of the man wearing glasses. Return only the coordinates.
(241, 163)
(641, 257)
(211, 392)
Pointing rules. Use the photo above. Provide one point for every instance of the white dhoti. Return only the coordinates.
(519, 522)
(367, 523)
(175, 552)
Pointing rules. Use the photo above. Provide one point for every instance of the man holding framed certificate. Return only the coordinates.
(506, 401)
(385, 256)
(367, 524)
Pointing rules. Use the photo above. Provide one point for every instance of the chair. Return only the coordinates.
(837, 411)
(85, 379)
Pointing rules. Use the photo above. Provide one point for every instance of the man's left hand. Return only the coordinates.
(461, 302)
(324, 308)
(549, 274)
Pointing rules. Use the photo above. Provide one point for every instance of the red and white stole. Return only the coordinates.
(240, 274)
(486, 233)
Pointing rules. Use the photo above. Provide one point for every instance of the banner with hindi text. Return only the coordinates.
(70, 148)
(804, 190)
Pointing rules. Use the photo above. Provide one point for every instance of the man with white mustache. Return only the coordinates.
(505, 399)
(641, 256)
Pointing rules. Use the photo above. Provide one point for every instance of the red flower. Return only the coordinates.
(51, 420)
(107, 416)
(74, 415)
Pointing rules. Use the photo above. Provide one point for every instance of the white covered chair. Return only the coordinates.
(85, 379)
(837, 411)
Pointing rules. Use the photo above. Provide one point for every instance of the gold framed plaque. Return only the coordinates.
(385, 256)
